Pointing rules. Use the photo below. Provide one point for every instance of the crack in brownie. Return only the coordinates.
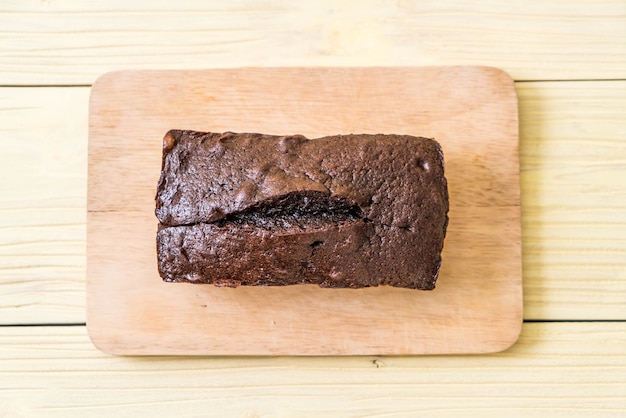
(339, 211)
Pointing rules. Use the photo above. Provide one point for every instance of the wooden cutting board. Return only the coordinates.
(471, 111)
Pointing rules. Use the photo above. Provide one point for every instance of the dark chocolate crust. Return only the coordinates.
(340, 211)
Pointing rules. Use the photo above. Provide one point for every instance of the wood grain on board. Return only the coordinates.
(471, 111)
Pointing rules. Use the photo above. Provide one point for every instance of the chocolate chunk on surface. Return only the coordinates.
(339, 211)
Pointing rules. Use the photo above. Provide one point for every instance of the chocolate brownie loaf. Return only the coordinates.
(339, 211)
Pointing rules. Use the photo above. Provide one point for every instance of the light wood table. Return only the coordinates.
(569, 63)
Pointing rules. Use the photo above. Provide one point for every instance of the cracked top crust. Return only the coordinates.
(208, 176)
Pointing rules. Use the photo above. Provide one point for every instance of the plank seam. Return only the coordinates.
(526, 321)
(573, 80)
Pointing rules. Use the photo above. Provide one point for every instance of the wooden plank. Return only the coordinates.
(72, 42)
(573, 224)
(471, 111)
(568, 369)
(43, 166)
(573, 159)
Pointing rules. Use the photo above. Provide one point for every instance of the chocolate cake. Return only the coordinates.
(339, 211)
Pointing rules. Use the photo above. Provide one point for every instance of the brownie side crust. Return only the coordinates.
(339, 211)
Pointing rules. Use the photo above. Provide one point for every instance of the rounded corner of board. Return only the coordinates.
(511, 339)
(101, 344)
